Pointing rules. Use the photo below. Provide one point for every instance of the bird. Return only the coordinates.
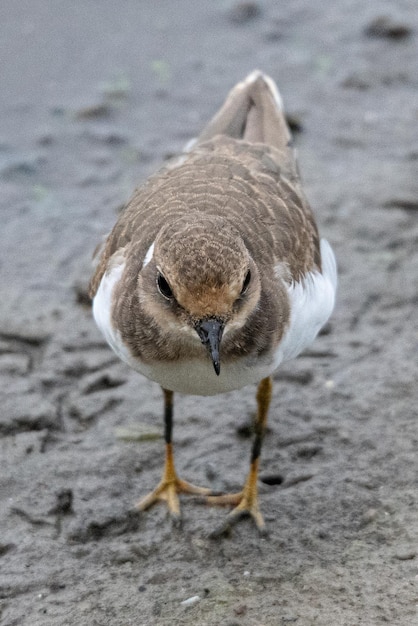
(214, 274)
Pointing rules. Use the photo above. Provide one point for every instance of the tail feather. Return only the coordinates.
(253, 111)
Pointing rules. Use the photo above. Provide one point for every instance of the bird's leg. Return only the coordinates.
(246, 501)
(170, 484)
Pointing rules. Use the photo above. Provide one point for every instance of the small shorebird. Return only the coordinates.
(214, 274)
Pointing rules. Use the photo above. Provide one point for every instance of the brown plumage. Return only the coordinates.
(208, 248)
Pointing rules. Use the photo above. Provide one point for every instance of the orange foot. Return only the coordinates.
(245, 506)
(167, 491)
(245, 503)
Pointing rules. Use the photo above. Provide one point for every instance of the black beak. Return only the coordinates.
(210, 333)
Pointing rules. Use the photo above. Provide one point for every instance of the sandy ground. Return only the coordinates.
(94, 96)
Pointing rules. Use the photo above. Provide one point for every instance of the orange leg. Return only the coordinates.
(170, 485)
(246, 501)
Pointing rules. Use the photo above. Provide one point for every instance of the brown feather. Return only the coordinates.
(240, 181)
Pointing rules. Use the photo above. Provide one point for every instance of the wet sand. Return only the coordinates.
(94, 97)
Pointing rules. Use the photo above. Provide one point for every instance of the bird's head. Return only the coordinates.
(205, 283)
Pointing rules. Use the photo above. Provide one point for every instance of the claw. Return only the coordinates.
(167, 491)
(246, 506)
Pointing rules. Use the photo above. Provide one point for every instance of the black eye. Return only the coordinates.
(246, 283)
(163, 287)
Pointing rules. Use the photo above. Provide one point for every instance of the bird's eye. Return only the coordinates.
(246, 283)
(163, 287)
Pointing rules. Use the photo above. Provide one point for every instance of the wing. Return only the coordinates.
(242, 168)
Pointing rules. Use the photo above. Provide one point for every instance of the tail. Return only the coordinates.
(253, 111)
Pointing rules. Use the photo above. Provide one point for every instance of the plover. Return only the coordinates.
(214, 274)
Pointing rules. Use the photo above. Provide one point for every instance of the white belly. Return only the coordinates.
(198, 377)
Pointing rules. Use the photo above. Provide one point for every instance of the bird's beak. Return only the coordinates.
(210, 333)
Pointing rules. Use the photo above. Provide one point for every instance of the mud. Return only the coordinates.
(94, 97)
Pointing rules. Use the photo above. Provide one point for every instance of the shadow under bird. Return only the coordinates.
(214, 274)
